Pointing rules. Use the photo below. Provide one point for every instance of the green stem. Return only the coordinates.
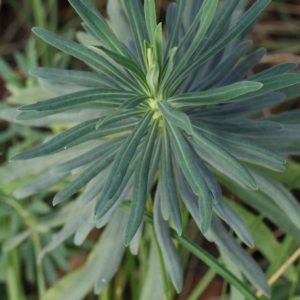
(39, 267)
(295, 281)
(203, 284)
(40, 21)
(30, 222)
(13, 285)
(53, 14)
(105, 295)
(205, 257)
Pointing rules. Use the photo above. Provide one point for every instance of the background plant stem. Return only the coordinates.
(40, 21)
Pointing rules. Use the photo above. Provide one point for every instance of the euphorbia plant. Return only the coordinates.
(154, 123)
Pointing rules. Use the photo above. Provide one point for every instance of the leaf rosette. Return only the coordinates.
(170, 114)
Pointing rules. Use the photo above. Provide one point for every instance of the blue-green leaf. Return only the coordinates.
(126, 63)
(140, 186)
(170, 255)
(177, 8)
(96, 22)
(276, 70)
(150, 16)
(247, 19)
(138, 26)
(74, 77)
(207, 13)
(88, 56)
(106, 97)
(123, 159)
(58, 142)
(168, 188)
(215, 96)
(87, 157)
(231, 166)
(227, 141)
(193, 176)
(280, 195)
(85, 177)
(174, 116)
(133, 102)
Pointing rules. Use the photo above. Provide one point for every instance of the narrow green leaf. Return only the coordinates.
(168, 188)
(237, 171)
(74, 77)
(138, 26)
(93, 189)
(85, 177)
(243, 23)
(174, 116)
(98, 25)
(58, 142)
(271, 84)
(192, 27)
(119, 22)
(87, 157)
(246, 264)
(135, 242)
(103, 207)
(179, 8)
(109, 253)
(117, 116)
(158, 45)
(140, 186)
(123, 159)
(276, 70)
(215, 96)
(150, 16)
(222, 18)
(246, 65)
(228, 140)
(191, 172)
(207, 258)
(126, 63)
(83, 53)
(280, 195)
(153, 286)
(168, 70)
(246, 127)
(107, 130)
(238, 225)
(40, 184)
(252, 159)
(217, 74)
(169, 252)
(154, 162)
(212, 183)
(153, 78)
(207, 13)
(133, 102)
(264, 205)
(107, 97)
(241, 109)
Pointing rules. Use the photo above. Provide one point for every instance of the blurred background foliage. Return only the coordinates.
(27, 226)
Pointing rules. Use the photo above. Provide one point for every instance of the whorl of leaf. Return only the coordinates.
(171, 99)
